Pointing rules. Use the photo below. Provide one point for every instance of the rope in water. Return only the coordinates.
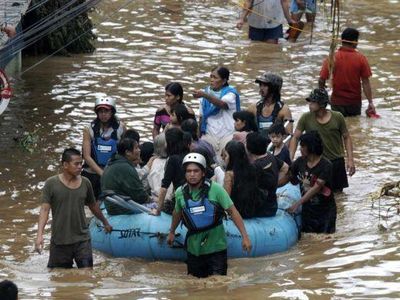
(336, 2)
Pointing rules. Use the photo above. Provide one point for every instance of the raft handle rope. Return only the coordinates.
(135, 232)
(6, 92)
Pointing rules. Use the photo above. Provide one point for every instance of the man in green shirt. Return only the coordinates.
(332, 128)
(66, 194)
(201, 205)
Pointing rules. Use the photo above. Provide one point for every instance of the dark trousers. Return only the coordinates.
(209, 264)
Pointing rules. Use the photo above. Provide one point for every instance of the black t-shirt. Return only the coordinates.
(307, 177)
(267, 177)
(284, 155)
(173, 172)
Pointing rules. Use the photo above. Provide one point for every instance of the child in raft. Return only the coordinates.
(277, 134)
(245, 122)
(314, 173)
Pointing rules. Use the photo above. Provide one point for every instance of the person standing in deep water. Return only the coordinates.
(173, 96)
(201, 205)
(218, 103)
(333, 131)
(351, 72)
(265, 18)
(314, 173)
(65, 195)
(270, 108)
(100, 141)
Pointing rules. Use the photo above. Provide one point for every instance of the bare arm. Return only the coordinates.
(95, 209)
(293, 143)
(247, 5)
(321, 83)
(237, 219)
(176, 218)
(214, 100)
(315, 189)
(285, 7)
(348, 144)
(283, 175)
(87, 151)
(155, 131)
(161, 199)
(253, 109)
(228, 182)
(286, 115)
(43, 217)
(366, 85)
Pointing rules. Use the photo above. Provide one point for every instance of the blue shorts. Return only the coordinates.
(311, 7)
(263, 34)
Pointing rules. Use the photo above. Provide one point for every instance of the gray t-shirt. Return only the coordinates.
(69, 224)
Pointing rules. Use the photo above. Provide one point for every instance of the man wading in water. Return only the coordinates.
(201, 204)
(66, 194)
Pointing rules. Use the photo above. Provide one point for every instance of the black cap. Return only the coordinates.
(318, 95)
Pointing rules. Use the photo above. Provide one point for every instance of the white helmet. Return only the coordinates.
(196, 158)
(106, 102)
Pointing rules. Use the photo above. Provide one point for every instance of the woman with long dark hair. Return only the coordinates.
(218, 103)
(178, 145)
(173, 96)
(240, 180)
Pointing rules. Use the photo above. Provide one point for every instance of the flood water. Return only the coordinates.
(141, 48)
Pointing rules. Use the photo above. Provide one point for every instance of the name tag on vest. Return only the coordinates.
(197, 209)
(103, 148)
(265, 125)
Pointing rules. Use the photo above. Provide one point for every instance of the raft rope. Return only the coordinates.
(334, 2)
(134, 232)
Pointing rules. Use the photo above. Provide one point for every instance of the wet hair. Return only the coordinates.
(209, 161)
(175, 88)
(8, 290)
(181, 112)
(312, 140)
(160, 146)
(248, 118)
(132, 134)
(223, 72)
(245, 194)
(68, 153)
(256, 143)
(277, 128)
(126, 144)
(190, 126)
(350, 34)
(146, 151)
(177, 141)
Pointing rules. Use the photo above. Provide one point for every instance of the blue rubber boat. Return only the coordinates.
(144, 236)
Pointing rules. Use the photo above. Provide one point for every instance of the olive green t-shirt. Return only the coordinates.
(68, 224)
(331, 133)
(213, 240)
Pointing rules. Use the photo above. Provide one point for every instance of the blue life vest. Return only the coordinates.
(210, 109)
(103, 149)
(203, 214)
(264, 123)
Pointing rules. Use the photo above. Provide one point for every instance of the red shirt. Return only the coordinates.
(349, 68)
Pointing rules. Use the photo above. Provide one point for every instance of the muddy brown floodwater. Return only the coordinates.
(139, 50)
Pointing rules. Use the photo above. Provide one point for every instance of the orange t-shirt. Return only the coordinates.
(350, 66)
